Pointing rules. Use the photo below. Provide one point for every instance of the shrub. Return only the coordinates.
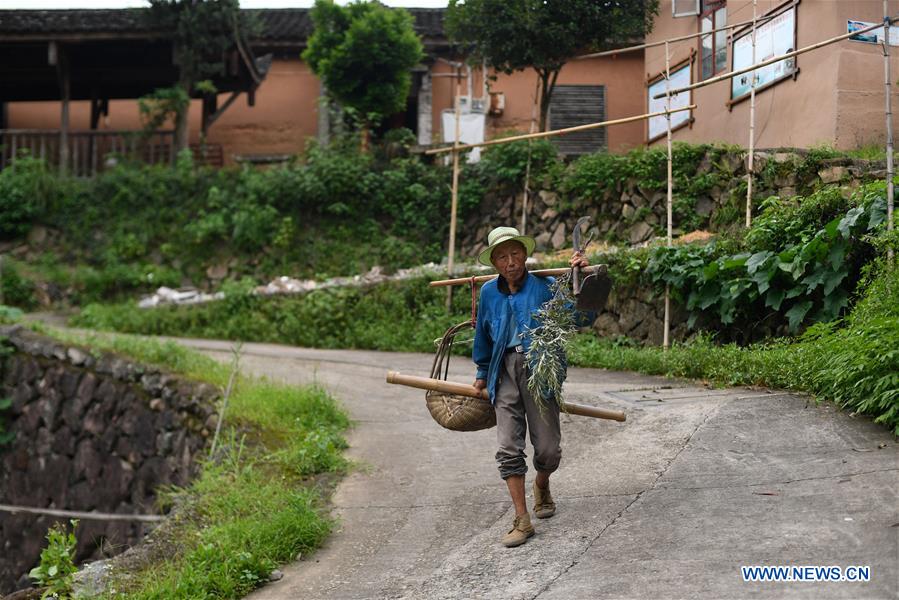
(797, 264)
(17, 290)
(57, 569)
(853, 362)
(27, 190)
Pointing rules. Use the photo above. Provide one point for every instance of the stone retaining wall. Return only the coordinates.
(633, 213)
(92, 433)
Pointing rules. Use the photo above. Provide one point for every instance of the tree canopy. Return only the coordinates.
(364, 53)
(201, 33)
(513, 35)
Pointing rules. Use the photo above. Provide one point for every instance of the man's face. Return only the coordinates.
(508, 258)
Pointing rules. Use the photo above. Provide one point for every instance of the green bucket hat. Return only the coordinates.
(504, 234)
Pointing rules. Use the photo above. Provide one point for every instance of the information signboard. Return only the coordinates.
(772, 38)
(679, 78)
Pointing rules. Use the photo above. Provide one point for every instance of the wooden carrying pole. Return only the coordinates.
(462, 389)
(555, 132)
(539, 273)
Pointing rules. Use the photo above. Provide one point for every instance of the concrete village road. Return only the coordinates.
(697, 483)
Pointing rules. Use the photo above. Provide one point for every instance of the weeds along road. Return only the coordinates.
(697, 483)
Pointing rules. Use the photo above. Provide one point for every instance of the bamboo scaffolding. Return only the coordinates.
(889, 119)
(771, 61)
(663, 42)
(555, 132)
(751, 164)
(669, 198)
(450, 261)
(527, 171)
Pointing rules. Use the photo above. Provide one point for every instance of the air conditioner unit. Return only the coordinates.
(497, 103)
(685, 8)
(464, 104)
(478, 105)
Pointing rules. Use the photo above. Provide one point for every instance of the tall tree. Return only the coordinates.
(202, 31)
(364, 53)
(513, 35)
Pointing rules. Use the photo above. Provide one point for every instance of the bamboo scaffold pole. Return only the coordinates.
(450, 261)
(680, 38)
(555, 132)
(771, 61)
(527, 171)
(889, 118)
(670, 192)
(751, 162)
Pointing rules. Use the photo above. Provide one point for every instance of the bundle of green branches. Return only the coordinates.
(546, 355)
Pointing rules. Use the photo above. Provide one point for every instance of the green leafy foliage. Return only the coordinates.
(27, 190)
(5, 436)
(135, 227)
(160, 106)
(16, 289)
(256, 505)
(546, 355)
(400, 316)
(853, 362)
(513, 35)
(57, 568)
(364, 52)
(203, 35)
(797, 264)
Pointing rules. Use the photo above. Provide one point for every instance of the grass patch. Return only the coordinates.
(854, 362)
(257, 505)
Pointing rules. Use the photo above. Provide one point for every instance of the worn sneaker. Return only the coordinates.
(520, 532)
(544, 507)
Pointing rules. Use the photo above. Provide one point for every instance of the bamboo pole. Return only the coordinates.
(540, 273)
(463, 389)
(770, 61)
(889, 119)
(663, 42)
(80, 514)
(751, 164)
(670, 194)
(527, 170)
(555, 132)
(450, 262)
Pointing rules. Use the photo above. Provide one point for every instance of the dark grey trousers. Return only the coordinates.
(516, 412)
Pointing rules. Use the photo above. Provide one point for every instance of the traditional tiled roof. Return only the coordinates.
(285, 25)
(124, 20)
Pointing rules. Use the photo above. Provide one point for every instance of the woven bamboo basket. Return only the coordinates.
(458, 413)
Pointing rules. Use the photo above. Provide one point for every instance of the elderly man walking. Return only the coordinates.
(506, 311)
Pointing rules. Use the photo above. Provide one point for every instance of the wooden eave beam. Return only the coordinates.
(79, 37)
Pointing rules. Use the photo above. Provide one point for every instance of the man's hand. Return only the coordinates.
(578, 260)
(480, 384)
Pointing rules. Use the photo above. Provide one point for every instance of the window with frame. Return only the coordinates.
(713, 47)
(573, 105)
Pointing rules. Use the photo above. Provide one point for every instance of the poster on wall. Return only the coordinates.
(773, 38)
(471, 130)
(871, 37)
(679, 78)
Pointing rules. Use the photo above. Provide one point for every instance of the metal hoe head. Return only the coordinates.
(592, 291)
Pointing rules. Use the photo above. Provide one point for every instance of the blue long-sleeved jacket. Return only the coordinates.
(495, 307)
